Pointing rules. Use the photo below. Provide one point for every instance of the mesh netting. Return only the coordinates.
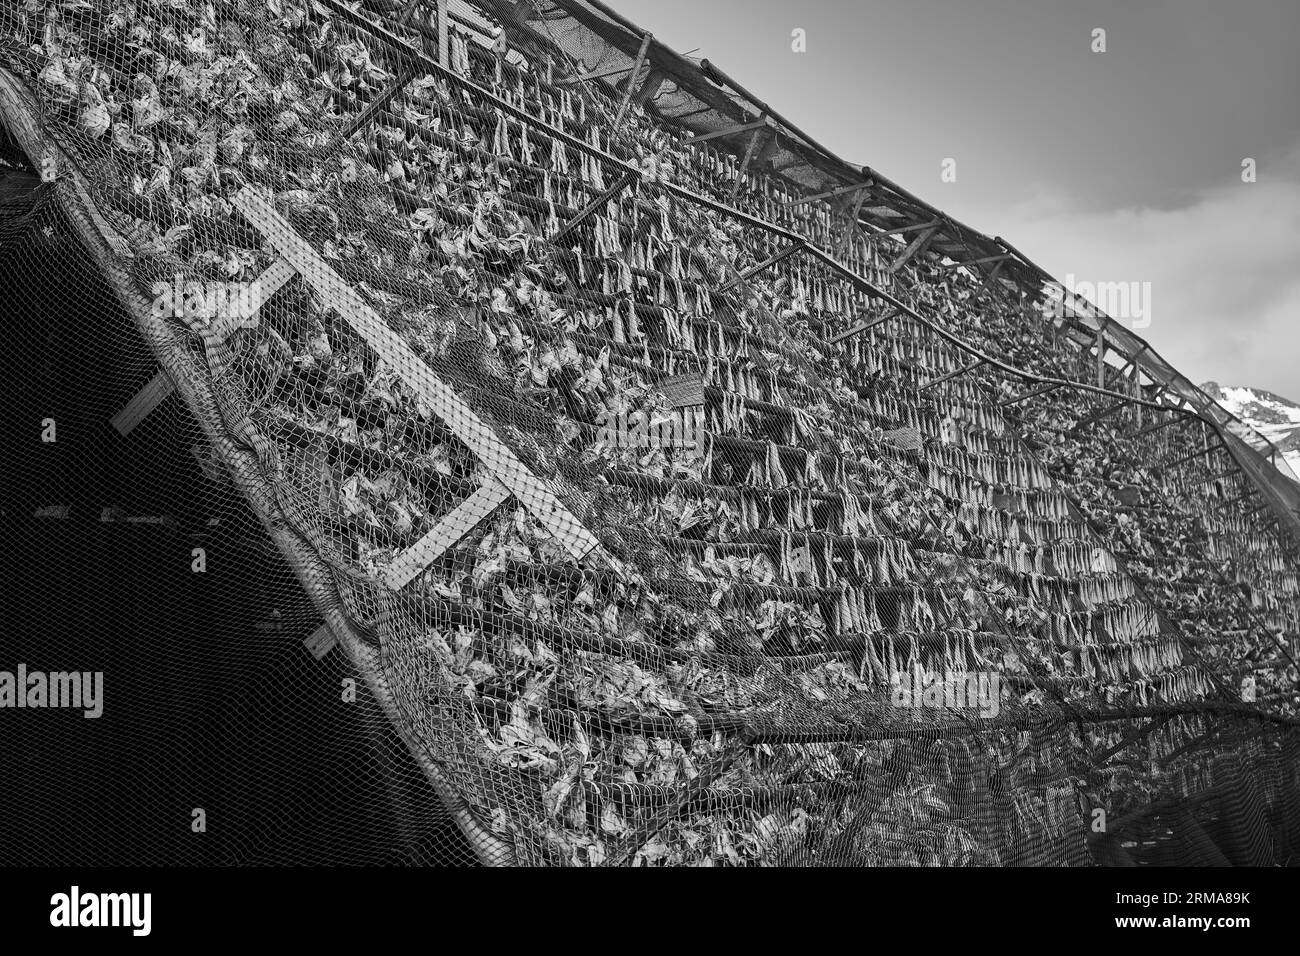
(658, 514)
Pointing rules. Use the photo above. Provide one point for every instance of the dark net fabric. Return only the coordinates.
(512, 492)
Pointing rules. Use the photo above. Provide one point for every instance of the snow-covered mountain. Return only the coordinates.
(1274, 417)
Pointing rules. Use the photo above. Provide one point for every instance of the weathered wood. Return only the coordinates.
(631, 81)
(864, 326)
(759, 267)
(595, 205)
(441, 399)
(450, 528)
(730, 130)
(918, 245)
(153, 394)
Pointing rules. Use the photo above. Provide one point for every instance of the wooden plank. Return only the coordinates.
(320, 641)
(532, 493)
(154, 393)
(266, 285)
(450, 528)
(444, 36)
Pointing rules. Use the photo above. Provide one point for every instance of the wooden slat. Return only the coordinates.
(160, 386)
(532, 493)
(918, 244)
(154, 393)
(743, 127)
(453, 526)
(320, 641)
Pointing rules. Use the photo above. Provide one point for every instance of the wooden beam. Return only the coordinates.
(765, 264)
(444, 36)
(598, 75)
(745, 161)
(631, 80)
(831, 194)
(730, 130)
(975, 262)
(864, 326)
(1030, 394)
(336, 294)
(953, 374)
(450, 528)
(899, 230)
(158, 388)
(650, 88)
(918, 244)
(596, 204)
(153, 394)
(320, 641)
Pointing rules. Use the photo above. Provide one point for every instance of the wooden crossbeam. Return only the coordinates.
(1093, 419)
(1030, 394)
(831, 194)
(460, 419)
(910, 227)
(160, 387)
(597, 75)
(595, 205)
(864, 326)
(1173, 419)
(975, 262)
(729, 131)
(918, 245)
(374, 107)
(765, 264)
(953, 374)
(450, 528)
(631, 81)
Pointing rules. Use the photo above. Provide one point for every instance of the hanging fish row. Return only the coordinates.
(994, 469)
(1134, 621)
(822, 562)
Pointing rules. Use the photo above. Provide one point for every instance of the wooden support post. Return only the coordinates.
(1101, 358)
(745, 161)
(975, 262)
(631, 81)
(596, 204)
(460, 419)
(765, 264)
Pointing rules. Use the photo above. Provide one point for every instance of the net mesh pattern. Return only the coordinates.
(646, 536)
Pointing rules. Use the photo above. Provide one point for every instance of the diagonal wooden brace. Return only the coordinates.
(450, 528)
(472, 431)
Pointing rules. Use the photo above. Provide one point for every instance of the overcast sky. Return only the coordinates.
(1115, 166)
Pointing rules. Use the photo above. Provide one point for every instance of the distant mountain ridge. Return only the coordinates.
(1274, 417)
